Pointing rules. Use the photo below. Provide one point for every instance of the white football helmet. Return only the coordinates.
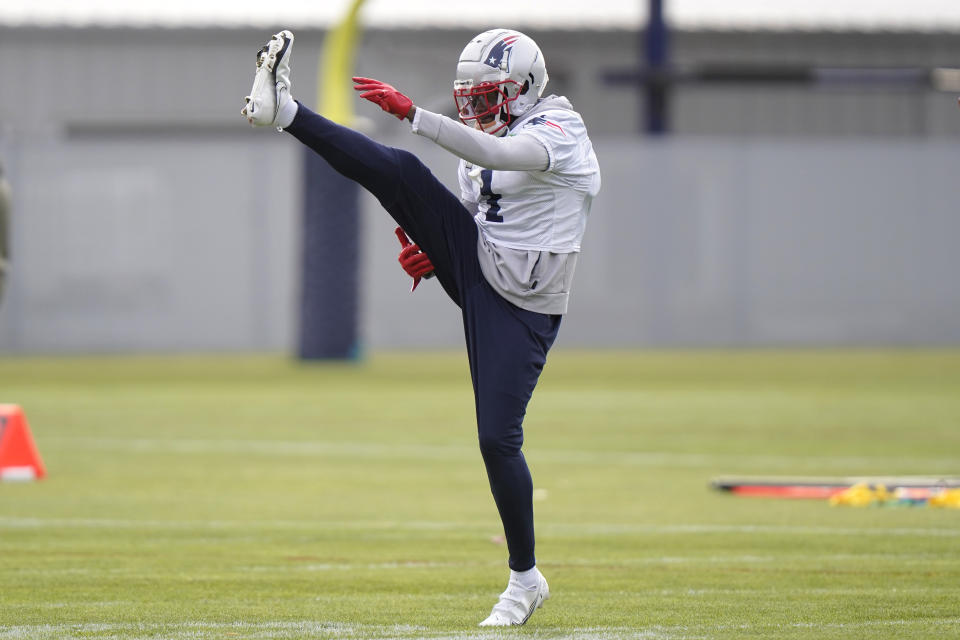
(500, 75)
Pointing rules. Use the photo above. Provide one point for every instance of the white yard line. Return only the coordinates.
(329, 630)
(396, 451)
(10, 522)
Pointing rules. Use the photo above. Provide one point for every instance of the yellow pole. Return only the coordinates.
(336, 67)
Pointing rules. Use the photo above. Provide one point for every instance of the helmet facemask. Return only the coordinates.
(486, 106)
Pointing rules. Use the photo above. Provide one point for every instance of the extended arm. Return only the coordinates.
(511, 153)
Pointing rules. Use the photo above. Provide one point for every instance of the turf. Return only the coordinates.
(253, 497)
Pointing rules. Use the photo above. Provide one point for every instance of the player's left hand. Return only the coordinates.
(414, 262)
(389, 99)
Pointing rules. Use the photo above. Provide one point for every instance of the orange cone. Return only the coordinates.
(19, 458)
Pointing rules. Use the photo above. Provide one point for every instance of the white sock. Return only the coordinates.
(528, 579)
(287, 113)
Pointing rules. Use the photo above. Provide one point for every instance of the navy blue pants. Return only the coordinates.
(507, 346)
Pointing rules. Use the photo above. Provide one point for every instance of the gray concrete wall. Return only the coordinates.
(692, 242)
(147, 216)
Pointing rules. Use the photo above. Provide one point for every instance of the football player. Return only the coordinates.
(504, 251)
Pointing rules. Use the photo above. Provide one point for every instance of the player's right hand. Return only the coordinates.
(389, 99)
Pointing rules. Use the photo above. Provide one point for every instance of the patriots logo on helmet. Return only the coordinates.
(495, 59)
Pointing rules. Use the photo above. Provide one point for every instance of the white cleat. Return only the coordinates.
(517, 604)
(271, 85)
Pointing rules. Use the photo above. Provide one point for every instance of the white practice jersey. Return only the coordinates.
(531, 203)
(538, 210)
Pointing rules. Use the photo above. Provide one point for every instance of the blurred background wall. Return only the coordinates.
(148, 216)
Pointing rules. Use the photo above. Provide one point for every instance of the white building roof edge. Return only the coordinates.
(814, 15)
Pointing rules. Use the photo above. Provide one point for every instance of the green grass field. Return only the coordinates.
(252, 497)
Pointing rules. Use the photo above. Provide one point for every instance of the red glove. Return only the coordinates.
(414, 262)
(389, 99)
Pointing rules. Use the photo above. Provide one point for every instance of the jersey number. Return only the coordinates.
(493, 199)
